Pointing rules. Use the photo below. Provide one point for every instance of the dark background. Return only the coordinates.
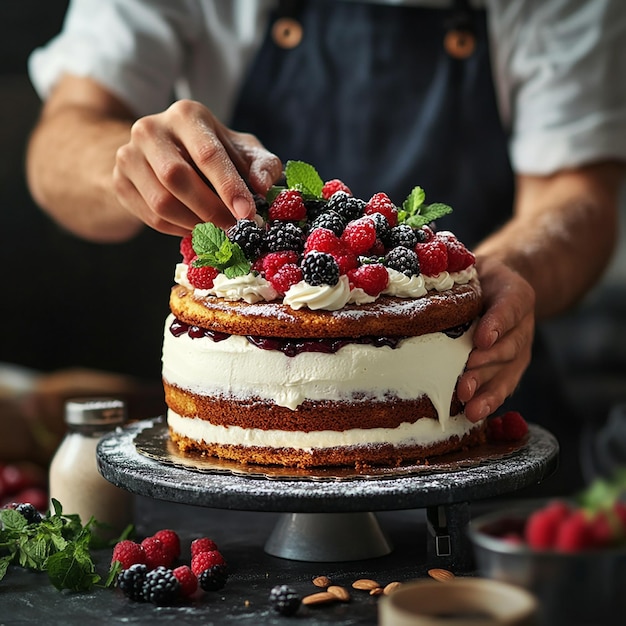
(70, 303)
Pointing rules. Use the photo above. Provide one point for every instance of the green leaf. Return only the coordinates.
(72, 569)
(304, 178)
(207, 238)
(436, 210)
(414, 200)
(5, 561)
(114, 572)
(12, 520)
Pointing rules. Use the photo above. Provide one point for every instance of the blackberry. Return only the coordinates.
(284, 600)
(314, 208)
(330, 220)
(248, 236)
(402, 235)
(383, 230)
(348, 207)
(29, 512)
(402, 260)
(161, 587)
(320, 268)
(131, 581)
(213, 578)
(284, 236)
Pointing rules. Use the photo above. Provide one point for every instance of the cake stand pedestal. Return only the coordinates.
(328, 513)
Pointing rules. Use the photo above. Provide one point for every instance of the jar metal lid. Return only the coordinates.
(95, 412)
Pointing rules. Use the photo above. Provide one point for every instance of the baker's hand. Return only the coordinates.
(183, 166)
(502, 340)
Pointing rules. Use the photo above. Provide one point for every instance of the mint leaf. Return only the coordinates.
(215, 249)
(72, 568)
(238, 264)
(434, 211)
(5, 561)
(417, 214)
(12, 520)
(414, 200)
(304, 178)
(207, 238)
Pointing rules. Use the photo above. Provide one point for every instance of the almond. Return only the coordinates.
(377, 591)
(322, 581)
(391, 587)
(322, 597)
(341, 592)
(442, 575)
(365, 583)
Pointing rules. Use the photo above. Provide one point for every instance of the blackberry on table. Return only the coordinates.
(213, 578)
(161, 587)
(330, 220)
(320, 268)
(131, 581)
(248, 236)
(29, 512)
(348, 207)
(284, 599)
(284, 236)
(402, 260)
(402, 235)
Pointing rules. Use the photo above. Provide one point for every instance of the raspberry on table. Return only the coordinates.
(248, 236)
(186, 249)
(161, 587)
(574, 533)
(359, 235)
(201, 277)
(372, 278)
(514, 426)
(203, 544)
(156, 553)
(320, 268)
(333, 186)
(128, 553)
(273, 261)
(204, 560)
(170, 539)
(288, 206)
(381, 203)
(213, 578)
(284, 600)
(131, 580)
(187, 579)
(433, 257)
(287, 276)
(403, 260)
(542, 525)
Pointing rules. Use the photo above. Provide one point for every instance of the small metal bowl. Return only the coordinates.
(581, 588)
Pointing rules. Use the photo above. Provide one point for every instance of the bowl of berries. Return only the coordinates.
(571, 554)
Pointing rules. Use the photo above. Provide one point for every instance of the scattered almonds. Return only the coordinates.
(341, 592)
(322, 597)
(391, 587)
(377, 591)
(365, 583)
(322, 581)
(442, 575)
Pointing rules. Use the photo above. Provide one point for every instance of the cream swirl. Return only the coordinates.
(249, 287)
(441, 282)
(358, 296)
(327, 297)
(403, 286)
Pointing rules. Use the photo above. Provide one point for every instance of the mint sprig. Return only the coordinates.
(214, 248)
(58, 545)
(416, 213)
(302, 177)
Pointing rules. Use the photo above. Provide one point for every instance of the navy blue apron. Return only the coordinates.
(372, 96)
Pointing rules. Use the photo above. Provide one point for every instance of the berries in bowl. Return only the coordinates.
(570, 554)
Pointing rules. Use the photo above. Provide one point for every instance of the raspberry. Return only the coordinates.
(131, 580)
(348, 207)
(403, 260)
(514, 426)
(433, 257)
(378, 249)
(402, 235)
(213, 578)
(494, 429)
(574, 533)
(424, 234)
(320, 268)
(332, 186)
(459, 257)
(346, 261)
(202, 544)
(288, 206)
(360, 235)
(204, 560)
(601, 531)
(156, 553)
(284, 600)
(619, 511)
(284, 236)
(161, 587)
(187, 579)
(248, 236)
(186, 249)
(170, 540)
(273, 261)
(543, 525)
(128, 553)
(201, 277)
(323, 240)
(329, 220)
(288, 275)
(372, 278)
(380, 203)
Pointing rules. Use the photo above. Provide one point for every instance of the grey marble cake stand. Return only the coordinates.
(328, 514)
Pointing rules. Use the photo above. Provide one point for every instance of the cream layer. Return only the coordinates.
(234, 368)
(423, 432)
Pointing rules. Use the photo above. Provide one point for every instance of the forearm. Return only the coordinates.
(562, 235)
(70, 161)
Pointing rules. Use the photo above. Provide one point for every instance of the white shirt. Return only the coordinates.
(559, 66)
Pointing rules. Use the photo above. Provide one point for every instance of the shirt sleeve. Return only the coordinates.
(559, 68)
(133, 48)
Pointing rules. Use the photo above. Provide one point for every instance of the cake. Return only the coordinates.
(329, 331)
